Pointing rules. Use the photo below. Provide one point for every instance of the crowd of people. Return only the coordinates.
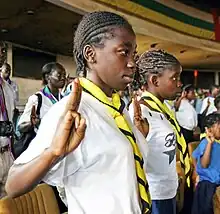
(110, 140)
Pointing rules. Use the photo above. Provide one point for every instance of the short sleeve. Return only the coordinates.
(200, 149)
(25, 117)
(43, 140)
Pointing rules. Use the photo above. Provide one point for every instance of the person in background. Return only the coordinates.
(208, 166)
(7, 106)
(53, 79)
(217, 104)
(5, 74)
(208, 106)
(186, 114)
(199, 100)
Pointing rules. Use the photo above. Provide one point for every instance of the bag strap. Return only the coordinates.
(39, 96)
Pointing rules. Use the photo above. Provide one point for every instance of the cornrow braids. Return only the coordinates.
(92, 30)
(154, 62)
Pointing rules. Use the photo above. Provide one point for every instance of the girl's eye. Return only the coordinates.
(124, 52)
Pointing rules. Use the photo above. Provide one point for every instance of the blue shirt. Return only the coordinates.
(212, 173)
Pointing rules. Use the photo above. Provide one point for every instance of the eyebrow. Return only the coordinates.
(128, 44)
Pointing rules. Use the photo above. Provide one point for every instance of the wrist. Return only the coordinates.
(50, 156)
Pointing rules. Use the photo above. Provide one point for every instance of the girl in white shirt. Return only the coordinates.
(105, 173)
(53, 79)
(161, 72)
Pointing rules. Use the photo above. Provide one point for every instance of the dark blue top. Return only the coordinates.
(212, 173)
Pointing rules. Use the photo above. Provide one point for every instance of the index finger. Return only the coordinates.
(74, 97)
(33, 111)
(137, 108)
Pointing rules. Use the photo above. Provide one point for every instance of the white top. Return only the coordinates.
(211, 108)
(161, 162)
(10, 106)
(99, 176)
(33, 100)
(186, 115)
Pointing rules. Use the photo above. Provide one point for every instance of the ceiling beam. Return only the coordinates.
(141, 26)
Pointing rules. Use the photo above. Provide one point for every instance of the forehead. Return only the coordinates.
(121, 37)
(173, 71)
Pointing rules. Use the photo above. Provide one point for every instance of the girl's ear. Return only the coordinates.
(89, 54)
(154, 80)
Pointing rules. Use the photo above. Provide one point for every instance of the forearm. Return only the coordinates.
(22, 178)
(205, 159)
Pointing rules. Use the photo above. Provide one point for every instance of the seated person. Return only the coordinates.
(208, 166)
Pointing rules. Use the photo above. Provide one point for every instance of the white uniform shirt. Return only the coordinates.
(33, 100)
(211, 108)
(186, 115)
(99, 176)
(161, 161)
(10, 106)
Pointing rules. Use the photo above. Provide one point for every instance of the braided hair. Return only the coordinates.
(153, 62)
(93, 29)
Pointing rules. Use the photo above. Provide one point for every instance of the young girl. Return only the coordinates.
(160, 75)
(208, 166)
(105, 173)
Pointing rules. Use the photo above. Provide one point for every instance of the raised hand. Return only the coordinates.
(209, 136)
(71, 129)
(35, 120)
(140, 123)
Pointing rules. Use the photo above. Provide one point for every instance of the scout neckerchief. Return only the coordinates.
(46, 92)
(155, 104)
(115, 108)
(2, 102)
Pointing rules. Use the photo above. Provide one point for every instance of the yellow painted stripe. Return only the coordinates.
(153, 16)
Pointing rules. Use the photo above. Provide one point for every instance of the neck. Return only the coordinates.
(152, 91)
(53, 90)
(97, 81)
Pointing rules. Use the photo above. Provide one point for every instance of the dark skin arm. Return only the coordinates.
(34, 122)
(178, 101)
(70, 132)
(139, 122)
(205, 159)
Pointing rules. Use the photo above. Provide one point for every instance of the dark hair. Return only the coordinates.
(211, 119)
(212, 87)
(48, 69)
(93, 29)
(188, 88)
(153, 62)
(217, 102)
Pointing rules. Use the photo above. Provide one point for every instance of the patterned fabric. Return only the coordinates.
(46, 92)
(116, 108)
(156, 105)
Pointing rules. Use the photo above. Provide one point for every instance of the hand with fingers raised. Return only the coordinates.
(35, 120)
(140, 122)
(71, 129)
